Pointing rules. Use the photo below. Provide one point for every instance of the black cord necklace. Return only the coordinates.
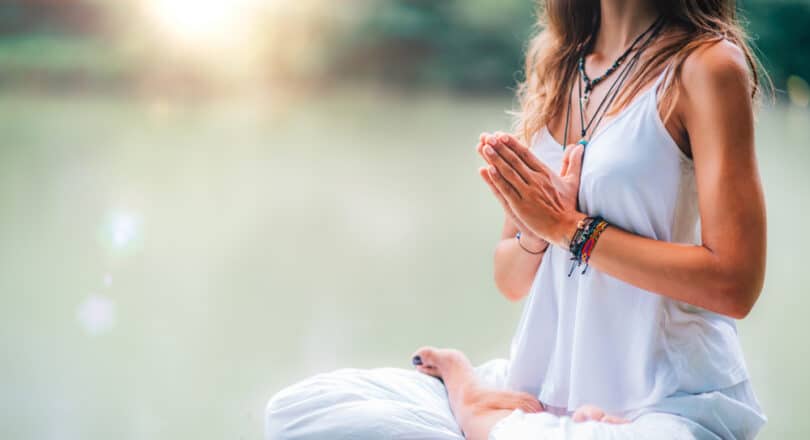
(613, 91)
(591, 83)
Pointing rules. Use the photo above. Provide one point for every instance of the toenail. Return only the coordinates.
(417, 360)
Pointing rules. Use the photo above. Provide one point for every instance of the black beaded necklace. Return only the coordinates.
(651, 33)
(591, 83)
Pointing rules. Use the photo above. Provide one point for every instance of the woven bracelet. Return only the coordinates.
(584, 240)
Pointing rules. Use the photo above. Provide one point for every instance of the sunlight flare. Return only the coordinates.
(219, 22)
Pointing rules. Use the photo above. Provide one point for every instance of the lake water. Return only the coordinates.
(165, 267)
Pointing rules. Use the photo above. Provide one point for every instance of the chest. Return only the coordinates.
(568, 128)
(632, 172)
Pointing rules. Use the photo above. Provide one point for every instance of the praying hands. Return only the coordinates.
(539, 201)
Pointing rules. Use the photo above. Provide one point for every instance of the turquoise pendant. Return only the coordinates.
(583, 142)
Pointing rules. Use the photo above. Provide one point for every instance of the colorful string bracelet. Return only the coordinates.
(584, 241)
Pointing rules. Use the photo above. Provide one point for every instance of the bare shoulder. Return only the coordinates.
(716, 67)
(717, 111)
(715, 100)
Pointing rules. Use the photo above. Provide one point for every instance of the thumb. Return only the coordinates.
(575, 162)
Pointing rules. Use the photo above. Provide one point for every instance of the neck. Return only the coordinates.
(621, 22)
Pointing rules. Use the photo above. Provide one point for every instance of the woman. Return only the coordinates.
(635, 222)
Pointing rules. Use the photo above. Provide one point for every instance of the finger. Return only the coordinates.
(480, 150)
(505, 168)
(481, 141)
(484, 172)
(504, 187)
(509, 156)
(566, 160)
(507, 209)
(524, 153)
(575, 162)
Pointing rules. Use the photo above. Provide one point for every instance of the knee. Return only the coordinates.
(341, 405)
(287, 411)
(290, 417)
(300, 410)
(276, 419)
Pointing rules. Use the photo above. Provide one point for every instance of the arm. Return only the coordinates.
(724, 274)
(514, 267)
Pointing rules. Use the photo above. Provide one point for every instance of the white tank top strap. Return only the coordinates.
(662, 79)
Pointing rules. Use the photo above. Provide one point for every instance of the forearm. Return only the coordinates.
(692, 274)
(515, 268)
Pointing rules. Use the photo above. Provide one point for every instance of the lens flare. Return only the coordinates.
(204, 21)
(124, 230)
(96, 314)
(121, 232)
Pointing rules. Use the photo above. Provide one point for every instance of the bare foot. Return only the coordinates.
(476, 407)
(589, 412)
(437, 362)
(453, 367)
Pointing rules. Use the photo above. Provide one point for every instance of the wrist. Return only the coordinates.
(531, 243)
(566, 228)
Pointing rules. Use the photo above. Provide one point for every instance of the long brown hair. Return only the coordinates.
(551, 57)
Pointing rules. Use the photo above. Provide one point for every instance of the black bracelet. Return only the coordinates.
(517, 237)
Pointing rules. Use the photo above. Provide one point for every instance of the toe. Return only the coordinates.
(614, 420)
(588, 412)
(425, 356)
(512, 400)
(531, 406)
(529, 403)
(430, 371)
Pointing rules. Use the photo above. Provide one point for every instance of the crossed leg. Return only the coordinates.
(478, 408)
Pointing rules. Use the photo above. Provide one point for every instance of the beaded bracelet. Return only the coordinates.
(584, 240)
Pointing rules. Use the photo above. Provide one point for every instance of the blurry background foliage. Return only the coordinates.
(459, 44)
(202, 201)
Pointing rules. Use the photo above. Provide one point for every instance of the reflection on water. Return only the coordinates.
(245, 245)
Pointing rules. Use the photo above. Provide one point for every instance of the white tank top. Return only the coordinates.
(593, 339)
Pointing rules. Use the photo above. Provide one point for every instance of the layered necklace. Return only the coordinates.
(636, 49)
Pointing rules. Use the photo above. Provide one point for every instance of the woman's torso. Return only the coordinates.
(593, 339)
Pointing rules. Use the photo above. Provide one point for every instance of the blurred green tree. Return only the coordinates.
(463, 44)
(781, 34)
(466, 44)
(478, 44)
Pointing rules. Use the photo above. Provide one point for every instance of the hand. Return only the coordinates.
(528, 238)
(541, 200)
